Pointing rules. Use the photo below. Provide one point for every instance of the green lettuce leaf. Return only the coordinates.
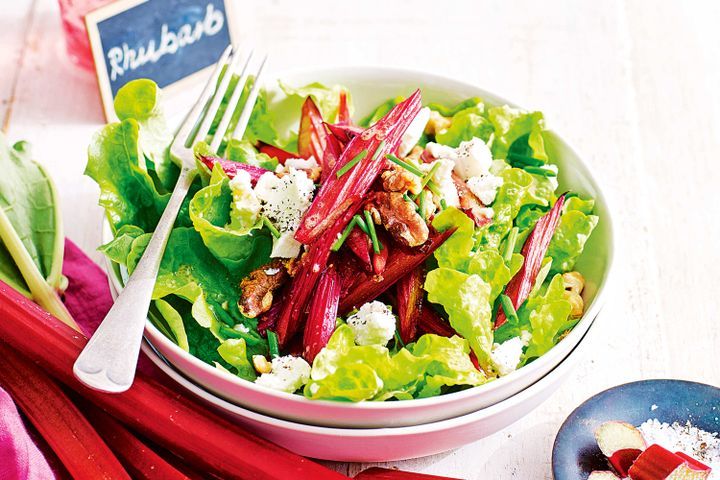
(491, 267)
(127, 191)
(466, 299)
(466, 125)
(244, 152)
(569, 239)
(446, 111)
(327, 99)
(174, 321)
(236, 240)
(140, 100)
(119, 247)
(511, 124)
(455, 251)
(234, 352)
(547, 313)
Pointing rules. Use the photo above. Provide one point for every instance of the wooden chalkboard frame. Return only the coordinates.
(92, 20)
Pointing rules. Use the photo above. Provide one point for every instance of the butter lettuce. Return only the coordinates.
(570, 236)
(547, 313)
(512, 124)
(244, 152)
(446, 111)
(466, 125)
(326, 98)
(234, 352)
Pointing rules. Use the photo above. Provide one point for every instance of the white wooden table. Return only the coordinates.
(635, 85)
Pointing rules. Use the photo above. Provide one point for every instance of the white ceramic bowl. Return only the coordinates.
(370, 87)
(382, 444)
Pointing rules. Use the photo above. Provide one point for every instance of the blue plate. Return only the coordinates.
(576, 454)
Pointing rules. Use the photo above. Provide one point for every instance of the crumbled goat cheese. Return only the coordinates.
(485, 187)
(272, 271)
(443, 179)
(245, 202)
(284, 200)
(699, 444)
(506, 356)
(373, 324)
(486, 212)
(298, 164)
(288, 374)
(471, 159)
(286, 246)
(414, 131)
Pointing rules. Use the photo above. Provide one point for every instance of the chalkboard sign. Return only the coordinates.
(165, 40)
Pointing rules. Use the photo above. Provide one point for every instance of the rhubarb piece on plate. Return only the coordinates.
(658, 463)
(231, 168)
(598, 475)
(621, 443)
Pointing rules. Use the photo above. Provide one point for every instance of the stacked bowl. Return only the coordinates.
(383, 431)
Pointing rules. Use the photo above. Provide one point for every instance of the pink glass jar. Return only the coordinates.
(73, 14)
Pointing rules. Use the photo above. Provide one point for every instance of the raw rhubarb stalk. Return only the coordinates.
(162, 415)
(359, 243)
(657, 463)
(340, 194)
(322, 316)
(231, 168)
(377, 473)
(399, 263)
(621, 443)
(343, 116)
(139, 460)
(275, 152)
(534, 252)
(409, 292)
(68, 433)
(312, 136)
(693, 463)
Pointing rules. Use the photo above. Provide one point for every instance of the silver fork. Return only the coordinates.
(108, 361)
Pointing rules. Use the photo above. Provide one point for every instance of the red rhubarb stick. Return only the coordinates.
(164, 416)
(621, 443)
(342, 193)
(139, 459)
(231, 168)
(534, 252)
(359, 243)
(409, 292)
(312, 136)
(343, 133)
(343, 116)
(400, 262)
(322, 316)
(377, 473)
(78, 446)
(276, 152)
(431, 322)
(658, 463)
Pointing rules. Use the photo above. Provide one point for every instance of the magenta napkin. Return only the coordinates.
(88, 299)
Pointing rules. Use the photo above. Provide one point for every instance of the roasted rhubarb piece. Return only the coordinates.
(162, 415)
(658, 463)
(343, 115)
(343, 133)
(231, 168)
(312, 136)
(359, 243)
(399, 263)
(598, 475)
(534, 252)
(378, 473)
(380, 259)
(409, 293)
(431, 322)
(342, 193)
(621, 443)
(81, 450)
(275, 152)
(322, 315)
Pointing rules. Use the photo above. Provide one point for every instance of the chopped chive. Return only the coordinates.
(220, 313)
(355, 160)
(508, 307)
(273, 344)
(407, 166)
(373, 234)
(516, 158)
(338, 243)
(428, 176)
(432, 186)
(422, 205)
(398, 339)
(361, 224)
(541, 171)
(249, 338)
(511, 241)
(273, 229)
(407, 198)
(443, 203)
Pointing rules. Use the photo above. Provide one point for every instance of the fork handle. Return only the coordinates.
(109, 360)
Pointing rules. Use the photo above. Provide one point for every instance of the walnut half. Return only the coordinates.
(399, 218)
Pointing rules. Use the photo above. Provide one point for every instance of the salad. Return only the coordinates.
(414, 252)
